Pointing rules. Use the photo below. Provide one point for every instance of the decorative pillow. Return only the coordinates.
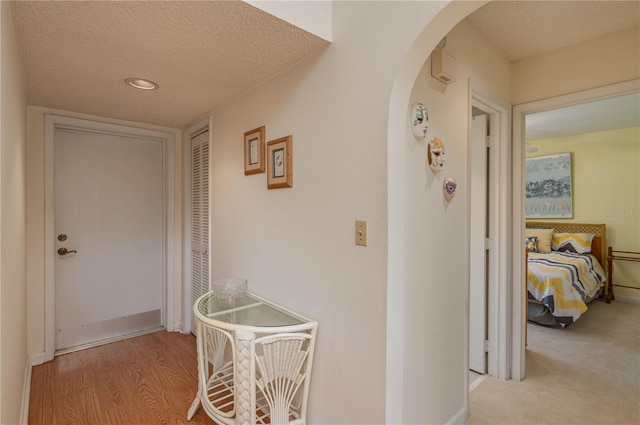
(579, 243)
(544, 238)
(531, 243)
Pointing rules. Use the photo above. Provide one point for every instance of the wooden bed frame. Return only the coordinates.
(598, 245)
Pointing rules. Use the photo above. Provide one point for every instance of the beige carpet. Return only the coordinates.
(588, 373)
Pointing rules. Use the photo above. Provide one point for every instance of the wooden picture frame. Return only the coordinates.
(254, 151)
(280, 163)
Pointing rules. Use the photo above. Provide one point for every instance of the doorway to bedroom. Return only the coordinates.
(590, 126)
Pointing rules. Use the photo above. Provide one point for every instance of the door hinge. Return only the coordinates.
(488, 243)
(488, 141)
(487, 346)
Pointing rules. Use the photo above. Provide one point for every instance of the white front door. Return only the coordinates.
(108, 192)
(478, 245)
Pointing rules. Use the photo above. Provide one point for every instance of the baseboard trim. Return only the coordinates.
(459, 418)
(476, 382)
(26, 392)
(177, 327)
(627, 299)
(37, 358)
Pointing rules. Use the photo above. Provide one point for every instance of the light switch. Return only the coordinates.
(361, 232)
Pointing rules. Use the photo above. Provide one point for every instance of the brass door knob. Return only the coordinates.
(65, 251)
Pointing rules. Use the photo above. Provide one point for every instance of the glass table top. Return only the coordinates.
(248, 310)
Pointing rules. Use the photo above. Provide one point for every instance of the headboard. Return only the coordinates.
(598, 245)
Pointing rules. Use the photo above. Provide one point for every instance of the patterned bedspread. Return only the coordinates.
(564, 282)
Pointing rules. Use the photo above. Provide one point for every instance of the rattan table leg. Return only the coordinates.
(245, 389)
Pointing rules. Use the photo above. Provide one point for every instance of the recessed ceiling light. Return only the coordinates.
(141, 83)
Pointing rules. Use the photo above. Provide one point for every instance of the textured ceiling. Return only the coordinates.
(591, 117)
(523, 29)
(528, 28)
(77, 54)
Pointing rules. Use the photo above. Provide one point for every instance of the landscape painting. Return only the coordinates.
(548, 191)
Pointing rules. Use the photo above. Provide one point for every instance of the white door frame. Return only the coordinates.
(518, 220)
(51, 123)
(186, 156)
(499, 296)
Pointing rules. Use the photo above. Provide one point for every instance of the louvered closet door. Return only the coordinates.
(199, 217)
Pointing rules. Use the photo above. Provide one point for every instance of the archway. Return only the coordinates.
(398, 409)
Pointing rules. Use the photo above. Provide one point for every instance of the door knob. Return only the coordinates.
(64, 251)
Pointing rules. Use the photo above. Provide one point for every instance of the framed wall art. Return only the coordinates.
(254, 151)
(548, 187)
(279, 163)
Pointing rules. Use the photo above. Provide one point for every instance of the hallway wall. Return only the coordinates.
(437, 231)
(296, 246)
(13, 287)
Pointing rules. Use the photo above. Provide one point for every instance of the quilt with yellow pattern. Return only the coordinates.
(564, 282)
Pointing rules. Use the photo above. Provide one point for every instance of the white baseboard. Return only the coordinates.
(459, 418)
(476, 382)
(176, 327)
(26, 392)
(37, 358)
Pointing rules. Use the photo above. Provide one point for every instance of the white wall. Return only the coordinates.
(13, 290)
(296, 246)
(35, 130)
(609, 59)
(436, 239)
(311, 16)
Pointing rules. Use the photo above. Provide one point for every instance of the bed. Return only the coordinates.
(565, 270)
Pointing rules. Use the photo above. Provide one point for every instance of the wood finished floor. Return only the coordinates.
(151, 379)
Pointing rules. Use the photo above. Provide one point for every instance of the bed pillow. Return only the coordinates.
(579, 243)
(544, 238)
(531, 243)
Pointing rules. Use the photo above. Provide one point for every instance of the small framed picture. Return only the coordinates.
(279, 163)
(254, 151)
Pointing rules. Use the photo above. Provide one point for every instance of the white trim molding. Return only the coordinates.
(52, 122)
(499, 289)
(459, 418)
(37, 358)
(26, 393)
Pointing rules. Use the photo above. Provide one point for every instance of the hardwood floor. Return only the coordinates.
(151, 379)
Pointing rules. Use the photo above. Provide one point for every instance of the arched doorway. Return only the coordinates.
(402, 307)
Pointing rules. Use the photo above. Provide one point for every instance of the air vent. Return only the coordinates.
(443, 66)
